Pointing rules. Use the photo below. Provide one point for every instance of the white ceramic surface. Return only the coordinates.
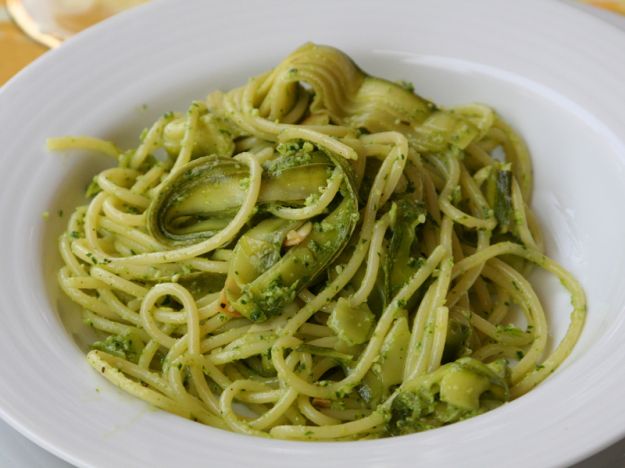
(552, 71)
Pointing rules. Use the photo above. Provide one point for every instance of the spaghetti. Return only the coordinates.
(319, 254)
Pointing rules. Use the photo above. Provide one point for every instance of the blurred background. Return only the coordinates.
(28, 28)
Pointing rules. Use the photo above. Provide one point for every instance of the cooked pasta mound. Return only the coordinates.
(319, 254)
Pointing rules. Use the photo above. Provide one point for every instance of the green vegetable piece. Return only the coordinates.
(411, 412)
(291, 178)
(203, 196)
(261, 296)
(381, 105)
(498, 191)
(127, 347)
(462, 388)
(351, 324)
(454, 128)
(372, 390)
(201, 283)
(458, 332)
(92, 189)
(197, 201)
(266, 295)
(390, 367)
(361, 102)
(407, 85)
(256, 252)
(455, 391)
(400, 262)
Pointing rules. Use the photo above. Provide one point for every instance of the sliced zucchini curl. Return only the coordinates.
(261, 281)
(341, 93)
(277, 257)
(498, 190)
(197, 201)
(203, 196)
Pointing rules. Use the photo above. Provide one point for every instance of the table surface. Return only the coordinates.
(16, 51)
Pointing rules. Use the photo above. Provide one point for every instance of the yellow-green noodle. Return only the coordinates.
(410, 320)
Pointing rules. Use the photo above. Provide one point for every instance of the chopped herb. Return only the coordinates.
(407, 85)
(92, 189)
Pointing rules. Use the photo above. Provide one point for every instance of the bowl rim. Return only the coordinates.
(598, 34)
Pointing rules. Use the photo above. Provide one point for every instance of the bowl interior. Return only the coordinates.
(579, 182)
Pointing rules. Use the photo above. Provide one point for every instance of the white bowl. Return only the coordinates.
(553, 72)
